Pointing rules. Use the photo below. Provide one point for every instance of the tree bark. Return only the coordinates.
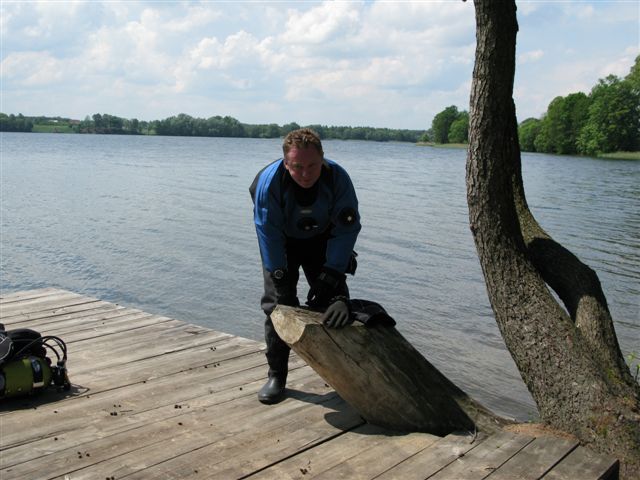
(380, 374)
(568, 355)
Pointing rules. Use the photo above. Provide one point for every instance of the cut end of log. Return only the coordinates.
(291, 322)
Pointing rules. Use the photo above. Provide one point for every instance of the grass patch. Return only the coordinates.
(443, 145)
(621, 155)
(48, 128)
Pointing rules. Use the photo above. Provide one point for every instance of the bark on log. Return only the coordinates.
(380, 374)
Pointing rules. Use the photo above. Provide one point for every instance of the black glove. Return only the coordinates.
(325, 287)
(337, 315)
(285, 295)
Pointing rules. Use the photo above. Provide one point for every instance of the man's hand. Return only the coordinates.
(324, 288)
(337, 315)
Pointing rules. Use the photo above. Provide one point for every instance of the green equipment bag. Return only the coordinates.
(24, 365)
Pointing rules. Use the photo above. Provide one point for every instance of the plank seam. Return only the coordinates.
(9, 317)
(302, 450)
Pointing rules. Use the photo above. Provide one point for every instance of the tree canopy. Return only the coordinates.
(442, 123)
(606, 120)
(15, 123)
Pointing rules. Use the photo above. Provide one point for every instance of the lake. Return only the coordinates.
(164, 224)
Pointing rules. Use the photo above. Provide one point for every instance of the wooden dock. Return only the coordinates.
(155, 397)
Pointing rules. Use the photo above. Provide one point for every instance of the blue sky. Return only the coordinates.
(376, 63)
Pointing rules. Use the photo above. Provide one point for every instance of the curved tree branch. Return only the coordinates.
(579, 288)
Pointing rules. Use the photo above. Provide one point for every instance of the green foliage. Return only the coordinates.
(442, 123)
(542, 142)
(426, 137)
(561, 125)
(48, 128)
(448, 126)
(15, 123)
(459, 130)
(528, 131)
(607, 120)
(614, 118)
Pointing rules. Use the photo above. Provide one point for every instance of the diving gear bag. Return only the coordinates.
(24, 365)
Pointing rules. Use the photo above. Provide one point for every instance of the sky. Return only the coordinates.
(392, 64)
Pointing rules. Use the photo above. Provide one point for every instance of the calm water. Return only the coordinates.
(165, 224)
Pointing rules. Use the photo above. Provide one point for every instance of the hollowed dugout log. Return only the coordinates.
(381, 375)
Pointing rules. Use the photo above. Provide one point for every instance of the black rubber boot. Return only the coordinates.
(273, 391)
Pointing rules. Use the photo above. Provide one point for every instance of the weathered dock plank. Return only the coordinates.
(50, 312)
(536, 459)
(583, 464)
(434, 458)
(155, 397)
(43, 305)
(117, 444)
(94, 314)
(8, 297)
(485, 458)
(360, 453)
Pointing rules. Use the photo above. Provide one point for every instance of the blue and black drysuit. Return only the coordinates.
(314, 228)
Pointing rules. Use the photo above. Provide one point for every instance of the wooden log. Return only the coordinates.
(381, 375)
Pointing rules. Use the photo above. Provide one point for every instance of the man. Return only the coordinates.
(306, 215)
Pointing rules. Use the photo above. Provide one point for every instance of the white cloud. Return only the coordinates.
(239, 61)
(393, 46)
(321, 24)
(527, 8)
(531, 56)
(195, 17)
(585, 11)
(32, 68)
(621, 65)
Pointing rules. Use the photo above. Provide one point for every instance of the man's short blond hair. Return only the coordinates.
(302, 138)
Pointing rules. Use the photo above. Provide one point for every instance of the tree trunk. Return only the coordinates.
(382, 376)
(567, 355)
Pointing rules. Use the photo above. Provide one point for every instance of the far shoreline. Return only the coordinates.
(608, 156)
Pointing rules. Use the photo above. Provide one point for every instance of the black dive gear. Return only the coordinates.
(24, 365)
(325, 288)
(337, 315)
(285, 292)
(272, 391)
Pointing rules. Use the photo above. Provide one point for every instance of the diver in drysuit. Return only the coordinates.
(306, 215)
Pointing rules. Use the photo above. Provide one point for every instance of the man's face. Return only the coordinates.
(304, 165)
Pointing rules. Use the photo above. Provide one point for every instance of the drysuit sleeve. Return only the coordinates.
(345, 219)
(269, 219)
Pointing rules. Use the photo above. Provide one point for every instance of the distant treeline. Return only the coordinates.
(15, 123)
(606, 120)
(185, 125)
